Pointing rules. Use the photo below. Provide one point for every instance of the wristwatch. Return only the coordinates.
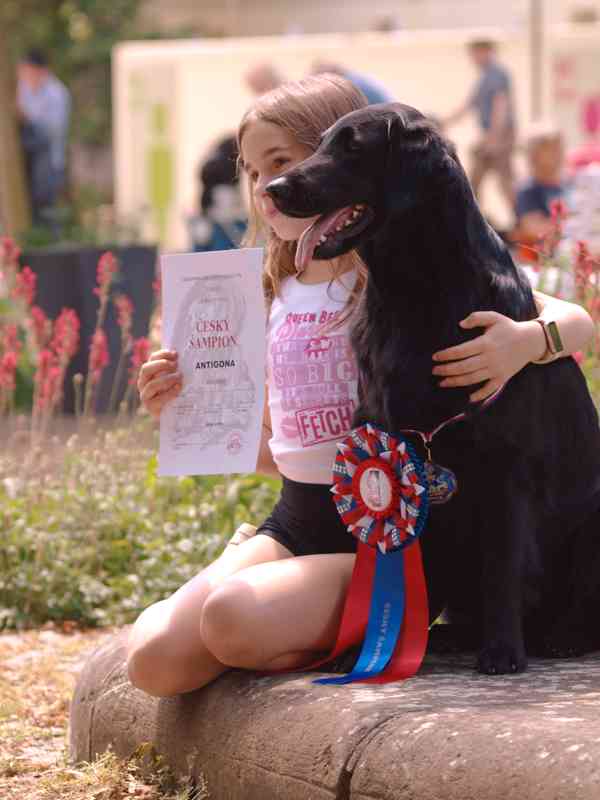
(554, 345)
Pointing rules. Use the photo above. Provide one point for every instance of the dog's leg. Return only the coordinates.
(575, 630)
(445, 567)
(507, 526)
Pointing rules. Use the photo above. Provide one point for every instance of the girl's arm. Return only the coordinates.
(575, 324)
(507, 346)
(265, 464)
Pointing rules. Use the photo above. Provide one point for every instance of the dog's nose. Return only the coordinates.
(278, 189)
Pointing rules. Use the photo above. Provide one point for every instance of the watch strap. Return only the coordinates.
(554, 344)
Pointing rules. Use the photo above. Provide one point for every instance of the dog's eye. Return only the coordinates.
(351, 143)
(346, 141)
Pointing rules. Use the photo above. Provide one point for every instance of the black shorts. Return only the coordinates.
(306, 521)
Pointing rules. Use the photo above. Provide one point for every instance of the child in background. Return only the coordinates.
(545, 155)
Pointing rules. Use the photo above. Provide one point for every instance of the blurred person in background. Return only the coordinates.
(545, 153)
(374, 91)
(492, 101)
(44, 107)
(262, 78)
(222, 221)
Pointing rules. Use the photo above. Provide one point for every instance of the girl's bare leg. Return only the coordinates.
(277, 615)
(165, 652)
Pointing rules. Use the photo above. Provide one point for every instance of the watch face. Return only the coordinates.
(557, 345)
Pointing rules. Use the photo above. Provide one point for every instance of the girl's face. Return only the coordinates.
(268, 151)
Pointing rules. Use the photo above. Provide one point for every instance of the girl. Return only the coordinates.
(275, 600)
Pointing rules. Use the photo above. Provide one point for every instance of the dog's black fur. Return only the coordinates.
(517, 552)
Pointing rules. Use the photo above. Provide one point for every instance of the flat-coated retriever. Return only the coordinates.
(516, 552)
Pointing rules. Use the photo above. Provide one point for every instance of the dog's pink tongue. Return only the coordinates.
(307, 243)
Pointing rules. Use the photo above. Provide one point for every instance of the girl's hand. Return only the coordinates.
(494, 357)
(159, 381)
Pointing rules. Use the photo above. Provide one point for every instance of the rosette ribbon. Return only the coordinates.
(381, 492)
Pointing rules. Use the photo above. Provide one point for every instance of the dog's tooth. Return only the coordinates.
(348, 222)
(322, 239)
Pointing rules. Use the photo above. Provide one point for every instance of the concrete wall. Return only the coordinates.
(173, 99)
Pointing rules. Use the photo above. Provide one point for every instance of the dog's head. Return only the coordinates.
(371, 164)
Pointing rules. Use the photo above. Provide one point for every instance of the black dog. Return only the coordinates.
(517, 551)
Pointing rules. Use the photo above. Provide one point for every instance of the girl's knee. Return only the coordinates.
(149, 653)
(146, 667)
(226, 626)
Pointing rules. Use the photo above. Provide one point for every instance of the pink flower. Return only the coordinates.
(10, 338)
(99, 355)
(8, 369)
(24, 288)
(40, 326)
(558, 210)
(578, 356)
(584, 267)
(124, 308)
(107, 268)
(9, 252)
(48, 380)
(66, 335)
(139, 356)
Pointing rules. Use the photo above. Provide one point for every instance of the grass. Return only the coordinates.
(89, 532)
(38, 670)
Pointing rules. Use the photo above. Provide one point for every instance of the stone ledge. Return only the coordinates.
(448, 734)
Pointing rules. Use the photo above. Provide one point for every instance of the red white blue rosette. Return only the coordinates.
(380, 489)
(381, 492)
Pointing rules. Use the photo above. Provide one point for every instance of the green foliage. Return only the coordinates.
(89, 532)
(79, 36)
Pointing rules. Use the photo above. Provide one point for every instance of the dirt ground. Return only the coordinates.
(38, 670)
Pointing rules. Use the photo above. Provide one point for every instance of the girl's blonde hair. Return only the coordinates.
(304, 108)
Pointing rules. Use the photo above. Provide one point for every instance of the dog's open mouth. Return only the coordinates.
(330, 235)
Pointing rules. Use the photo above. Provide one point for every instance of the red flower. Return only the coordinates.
(107, 268)
(584, 266)
(24, 288)
(48, 380)
(99, 355)
(40, 325)
(8, 369)
(124, 308)
(558, 210)
(10, 339)
(8, 250)
(157, 287)
(139, 356)
(66, 335)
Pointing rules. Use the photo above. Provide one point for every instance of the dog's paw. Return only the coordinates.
(501, 659)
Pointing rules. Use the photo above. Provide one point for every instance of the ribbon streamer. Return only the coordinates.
(380, 490)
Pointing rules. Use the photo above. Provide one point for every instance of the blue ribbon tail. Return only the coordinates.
(386, 615)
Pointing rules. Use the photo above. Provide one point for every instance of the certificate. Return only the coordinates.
(214, 317)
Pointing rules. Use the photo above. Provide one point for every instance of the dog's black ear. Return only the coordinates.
(414, 135)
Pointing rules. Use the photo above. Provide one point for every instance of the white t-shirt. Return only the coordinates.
(312, 377)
